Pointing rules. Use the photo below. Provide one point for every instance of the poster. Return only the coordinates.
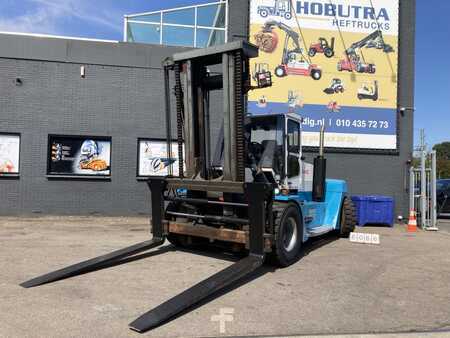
(153, 159)
(9, 154)
(79, 156)
(332, 62)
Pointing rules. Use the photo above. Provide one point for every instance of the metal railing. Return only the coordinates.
(423, 191)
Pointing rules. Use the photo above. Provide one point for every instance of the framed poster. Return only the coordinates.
(334, 64)
(153, 159)
(9, 154)
(84, 156)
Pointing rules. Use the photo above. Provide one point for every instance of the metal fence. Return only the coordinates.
(423, 191)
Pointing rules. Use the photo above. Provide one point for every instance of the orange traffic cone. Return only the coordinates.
(412, 223)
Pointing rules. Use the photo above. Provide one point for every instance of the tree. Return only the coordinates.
(443, 159)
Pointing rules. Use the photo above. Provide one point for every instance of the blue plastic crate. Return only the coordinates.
(374, 209)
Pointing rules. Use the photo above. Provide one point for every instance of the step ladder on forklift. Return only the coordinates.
(233, 198)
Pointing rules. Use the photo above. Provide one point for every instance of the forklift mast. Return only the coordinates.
(193, 83)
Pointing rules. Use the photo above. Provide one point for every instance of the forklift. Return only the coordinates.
(368, 92)
(280, 8)
(292, 61)
(262, 75)
(322, 47)
(254, 193)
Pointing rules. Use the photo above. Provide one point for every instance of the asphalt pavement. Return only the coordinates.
(338, 287)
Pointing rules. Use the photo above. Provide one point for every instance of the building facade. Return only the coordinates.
(72, 98)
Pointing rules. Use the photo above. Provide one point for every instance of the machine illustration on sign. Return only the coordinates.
(336, 86)
(293, 62)
(280, 8)
(368, 92)
(354, 60)
(322, 47)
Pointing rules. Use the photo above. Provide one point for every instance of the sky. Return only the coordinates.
(103, 19)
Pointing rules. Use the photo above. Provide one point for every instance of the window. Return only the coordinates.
(177, 36)
(211, 16)
(180, 17)
(293, 137)
(144, 33)
(193, 26)
(293, 145)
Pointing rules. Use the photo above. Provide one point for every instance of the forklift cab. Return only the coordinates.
(274, 150)
(323, 43)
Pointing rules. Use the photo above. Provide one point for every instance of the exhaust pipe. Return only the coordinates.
(320, 171)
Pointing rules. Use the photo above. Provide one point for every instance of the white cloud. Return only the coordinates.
(48, 14)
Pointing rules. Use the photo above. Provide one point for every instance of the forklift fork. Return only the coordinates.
(157, 187)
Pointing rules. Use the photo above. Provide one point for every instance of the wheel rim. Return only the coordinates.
(290, 234)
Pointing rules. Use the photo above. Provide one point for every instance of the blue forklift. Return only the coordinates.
(253, 193)
(280, 8)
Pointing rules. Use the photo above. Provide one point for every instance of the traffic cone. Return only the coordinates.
(412, 222)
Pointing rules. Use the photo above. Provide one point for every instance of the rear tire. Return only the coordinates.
(288, 236)
(312, 52)
(316, 74)
(348, 218)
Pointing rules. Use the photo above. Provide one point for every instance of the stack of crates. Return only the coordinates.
(374, 209)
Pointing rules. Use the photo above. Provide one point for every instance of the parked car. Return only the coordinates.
(443, 197)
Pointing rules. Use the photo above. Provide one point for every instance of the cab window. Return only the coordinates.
(293, 145)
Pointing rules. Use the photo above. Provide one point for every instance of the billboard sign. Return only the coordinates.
(153, 159)
(9, 154)
(79, 156)
(334, 63)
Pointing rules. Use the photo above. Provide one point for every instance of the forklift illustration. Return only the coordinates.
(292, 61)
(254, 193)
(368, 92)
(355, 62)
(262, 75)
(322, 47)
(280, 8)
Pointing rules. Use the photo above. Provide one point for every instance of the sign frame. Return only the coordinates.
(51, 174)
(14, 174)
(360, 150)
(138, 155)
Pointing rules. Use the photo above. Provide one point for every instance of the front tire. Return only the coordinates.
(348, 218)
(280, 71)
(288, 236)
(329, 53)
(264, 13)
(288, 16)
